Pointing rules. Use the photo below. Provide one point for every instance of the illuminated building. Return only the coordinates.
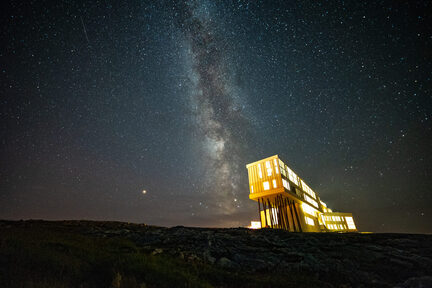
(285, 201)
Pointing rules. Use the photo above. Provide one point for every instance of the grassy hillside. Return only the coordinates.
(113, 254)
(63, 254)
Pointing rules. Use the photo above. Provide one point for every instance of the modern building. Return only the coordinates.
(285, 201)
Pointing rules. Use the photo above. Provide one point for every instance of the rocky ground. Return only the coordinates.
(283, 258)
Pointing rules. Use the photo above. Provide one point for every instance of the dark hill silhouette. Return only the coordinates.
(116, 254)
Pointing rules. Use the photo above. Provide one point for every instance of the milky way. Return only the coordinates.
(102, 100)
(219, 120)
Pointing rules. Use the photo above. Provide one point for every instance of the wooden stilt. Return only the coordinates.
(259, 211)
(298, 218)
(292, 216)
(281, 212)
(265, 214)
(280, 221)
(270, 213)
(285, 212)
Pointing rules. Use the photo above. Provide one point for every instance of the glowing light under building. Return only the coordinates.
(285, 201)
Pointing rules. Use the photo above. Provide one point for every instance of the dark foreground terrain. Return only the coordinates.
(113, 254)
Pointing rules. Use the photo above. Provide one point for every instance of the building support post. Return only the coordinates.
(265, 214)
(270, 213)
(298, 218)
(292, 216)
(287, 211)
(259, 211)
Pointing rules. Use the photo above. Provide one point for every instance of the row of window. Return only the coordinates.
(285, 184)
(269, 169)
(333, 218)
(307, 189)
(266, 184)
(308, 209)
(292, 176)
(350, 222)
(309, 221)
(336, 226)
(310, 200)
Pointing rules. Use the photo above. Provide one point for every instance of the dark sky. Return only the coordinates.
(100, 100)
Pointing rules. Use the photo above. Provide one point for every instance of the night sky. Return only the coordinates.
(101, 100)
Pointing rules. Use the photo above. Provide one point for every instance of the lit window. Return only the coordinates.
(276, 166)
(309, 221)
(333, 218)
(307, 189)
(350, 223)
(282, 168)
(274, 183)
(268, 164)
(255, 225)
(310, 200)
(285, 184)
(269, 171)
(259, 171)
(252, 189)
(308, 209)
(266, 185)
(292, 176)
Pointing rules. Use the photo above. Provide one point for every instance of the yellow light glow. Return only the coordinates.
(308, 209)
(277, 179)
(310, 200)
(292, 176)
(309, 221)
(307, 189)
(350, 223)
(286, 184)
(269, 172)
(276, 166)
